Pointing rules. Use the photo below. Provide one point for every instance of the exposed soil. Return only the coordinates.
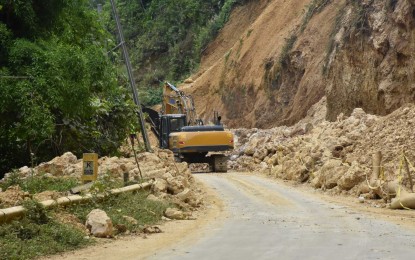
(239, 70)
(274, 59)
(11, 197)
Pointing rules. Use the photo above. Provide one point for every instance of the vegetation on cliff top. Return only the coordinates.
(167, 38)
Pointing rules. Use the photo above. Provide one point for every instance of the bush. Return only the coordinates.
(60, 92)
(37, 234)
(25, 239)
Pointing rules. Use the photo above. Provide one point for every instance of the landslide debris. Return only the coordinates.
(13, 196)
(99, 224)
(172, 181)
(335, 157)
(173, 185)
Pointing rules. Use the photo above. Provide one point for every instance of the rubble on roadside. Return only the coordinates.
(173, 184)
(173, 181)
(332, 156)
(173, 213)
(13, 196)
(99, 224)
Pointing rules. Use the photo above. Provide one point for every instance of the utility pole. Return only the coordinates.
(130, 76)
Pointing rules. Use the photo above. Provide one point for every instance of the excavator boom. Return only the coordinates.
(176, 102)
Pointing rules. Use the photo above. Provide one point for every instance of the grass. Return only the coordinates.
(127, 204)
(331, 43)
(248, 33)
(39, 183)
(315, 7)
(26, 240)
(38, 234)
(392, 5)
(238, 52)
(227, 55)
(359, 22)
(285, 52)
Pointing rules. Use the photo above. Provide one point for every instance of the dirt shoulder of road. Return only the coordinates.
(141, 247)
(405, 218)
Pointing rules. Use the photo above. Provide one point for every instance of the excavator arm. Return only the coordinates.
(176, 102)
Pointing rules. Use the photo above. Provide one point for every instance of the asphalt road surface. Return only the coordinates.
(268, 220)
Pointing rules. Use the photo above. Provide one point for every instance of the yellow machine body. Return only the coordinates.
(190, 142)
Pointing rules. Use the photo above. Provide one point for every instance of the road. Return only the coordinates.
(252, 217)
(270, 220)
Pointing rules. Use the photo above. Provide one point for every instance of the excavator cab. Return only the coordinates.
(169, 124)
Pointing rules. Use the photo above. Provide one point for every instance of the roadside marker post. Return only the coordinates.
(89, 167)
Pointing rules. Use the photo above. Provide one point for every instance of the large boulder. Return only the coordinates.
(58, 165)
(159, 185)
(190, 197)
(277, 171)
(173, 213)
(317, 180)
(99, 224)
(47, 195)
(252, 146)
(165, 154)
(176, 184)
(260, 154)
(353, 177)
(130, 220)
(295, 171)
(331, 172)
(149, 158)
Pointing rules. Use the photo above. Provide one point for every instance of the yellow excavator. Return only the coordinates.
(179, 130)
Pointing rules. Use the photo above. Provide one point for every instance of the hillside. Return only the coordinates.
(275, 59)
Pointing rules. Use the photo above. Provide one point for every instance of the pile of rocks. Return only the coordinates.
(333, 156)
(172, 183)
(11, 197)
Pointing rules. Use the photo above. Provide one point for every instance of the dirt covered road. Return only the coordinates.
(251, 217)
(270, 220)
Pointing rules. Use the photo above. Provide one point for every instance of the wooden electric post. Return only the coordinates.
(131, 77)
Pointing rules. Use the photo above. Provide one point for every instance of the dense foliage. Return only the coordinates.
(166, 38)
(58, 89)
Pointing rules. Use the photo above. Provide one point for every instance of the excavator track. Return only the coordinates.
(219, 163)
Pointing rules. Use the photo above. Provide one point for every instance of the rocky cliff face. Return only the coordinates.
(276, 58)
(371, 61)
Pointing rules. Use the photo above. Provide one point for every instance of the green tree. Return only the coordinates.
(59, 91)
(166, 38)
